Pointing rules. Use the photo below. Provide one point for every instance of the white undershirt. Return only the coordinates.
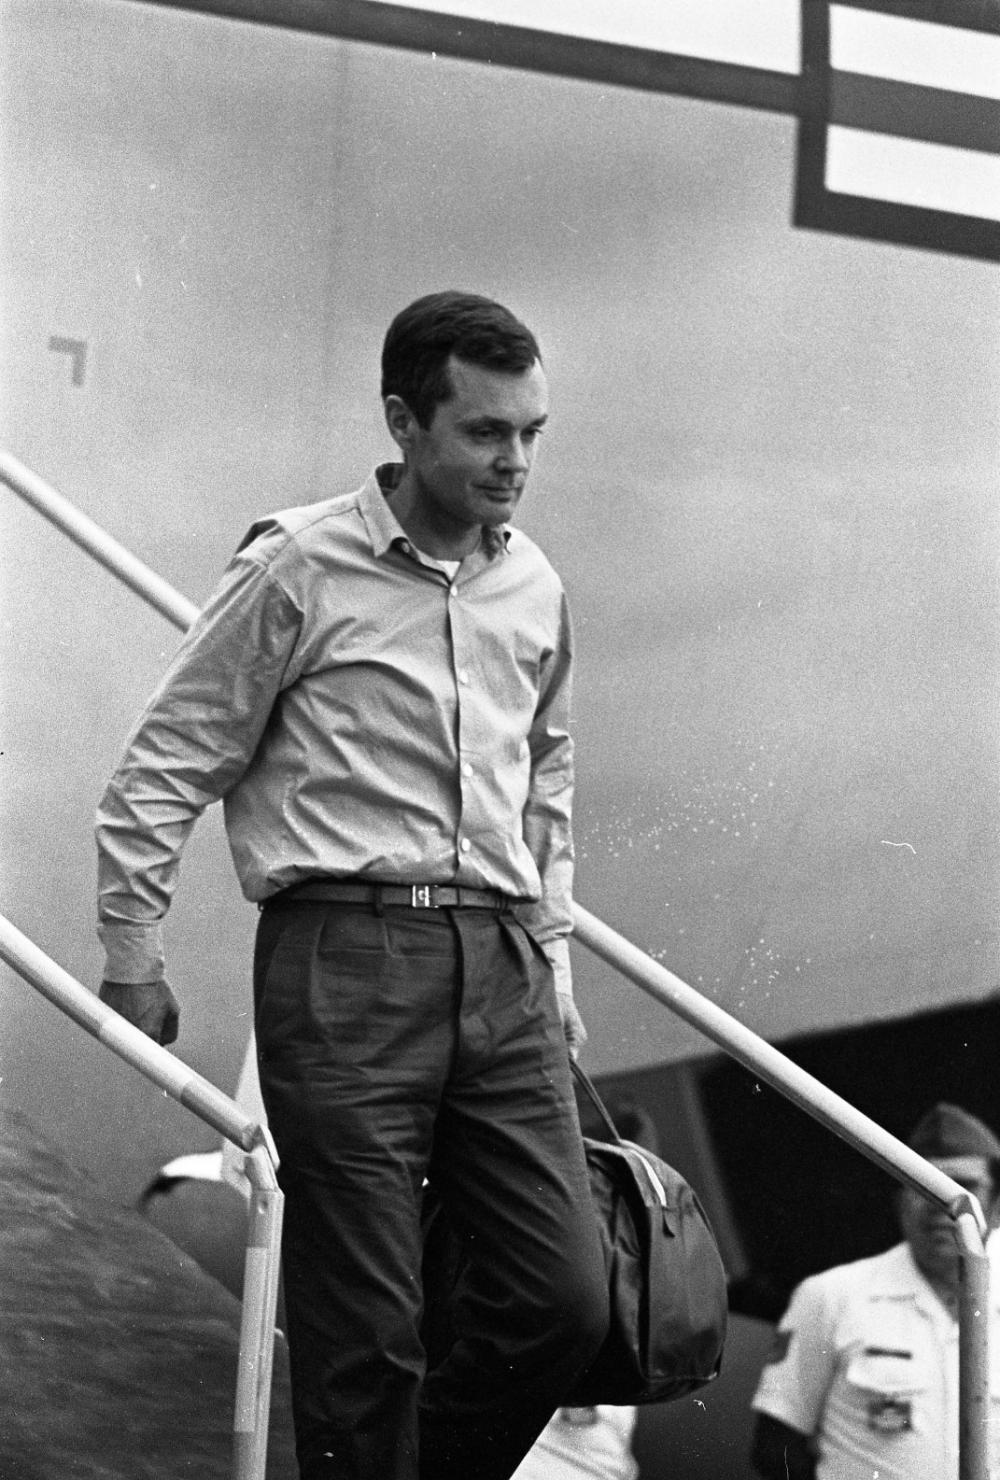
(450, 567)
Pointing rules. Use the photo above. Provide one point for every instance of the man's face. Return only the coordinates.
(929, 1231)
(470, 465)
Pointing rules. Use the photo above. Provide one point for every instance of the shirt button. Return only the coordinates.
(466, 769)
(465, 845)
(463, 675)
(453, 592)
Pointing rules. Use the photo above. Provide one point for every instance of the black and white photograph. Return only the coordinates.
(500, 739)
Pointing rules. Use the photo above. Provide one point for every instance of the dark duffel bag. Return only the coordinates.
(665, 1277)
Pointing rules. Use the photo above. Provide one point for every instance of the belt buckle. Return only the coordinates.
(420, 897)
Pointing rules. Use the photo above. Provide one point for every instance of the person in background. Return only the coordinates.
(583, 1444)
(379, 692)
(862, 1381)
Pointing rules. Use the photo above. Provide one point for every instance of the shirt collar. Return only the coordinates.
(900, 1278)
(385, 530)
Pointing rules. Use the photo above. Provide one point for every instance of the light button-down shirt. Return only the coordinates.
(358, 715)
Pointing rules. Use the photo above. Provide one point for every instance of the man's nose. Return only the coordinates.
(512, 456)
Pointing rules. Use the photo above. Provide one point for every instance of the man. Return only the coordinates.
(378, 691)
(863, 1381)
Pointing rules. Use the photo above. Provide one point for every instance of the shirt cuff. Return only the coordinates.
(557, 951)
(134, 952)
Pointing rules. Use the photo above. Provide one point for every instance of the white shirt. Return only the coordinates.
(866, 1359)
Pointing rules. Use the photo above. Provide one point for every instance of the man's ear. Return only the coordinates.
(401, 422)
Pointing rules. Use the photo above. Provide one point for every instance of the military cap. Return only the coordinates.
(948, 1130)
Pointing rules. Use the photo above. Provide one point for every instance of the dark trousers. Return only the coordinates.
(394, 1047)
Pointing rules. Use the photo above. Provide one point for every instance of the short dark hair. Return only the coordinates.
(422, 338)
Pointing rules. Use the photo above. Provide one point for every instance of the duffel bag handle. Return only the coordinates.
(585, 1082)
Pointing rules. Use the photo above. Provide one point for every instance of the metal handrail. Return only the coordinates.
(772, 1065)
(260, 1279)
(105, 549)
(836, 1114)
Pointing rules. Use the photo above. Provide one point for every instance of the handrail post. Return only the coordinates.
(973, 1347)
(260, 1303)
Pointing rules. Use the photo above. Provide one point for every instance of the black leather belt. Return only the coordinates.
(413, 896)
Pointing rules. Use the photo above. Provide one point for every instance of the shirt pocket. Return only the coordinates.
(886, 1369)
(888, 1385)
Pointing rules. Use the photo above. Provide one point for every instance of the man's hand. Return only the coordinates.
(572, 1022)
(149, 1006)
